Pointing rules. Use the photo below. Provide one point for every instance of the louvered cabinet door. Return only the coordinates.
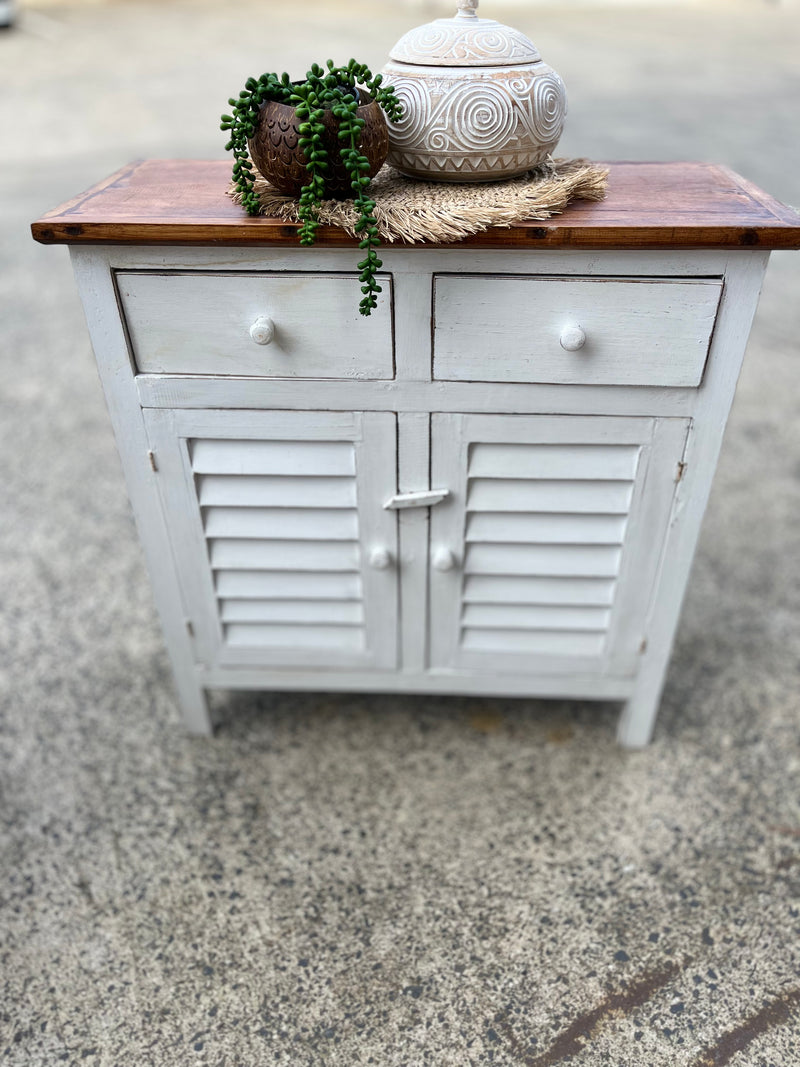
(285, 555)
(545, 552)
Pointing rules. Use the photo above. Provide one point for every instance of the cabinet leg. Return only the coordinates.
(194, 707)
(638, 717)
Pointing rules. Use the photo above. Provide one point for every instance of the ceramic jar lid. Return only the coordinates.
(465, 41)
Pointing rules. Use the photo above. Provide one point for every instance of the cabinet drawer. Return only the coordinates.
(200, 323)
(573, 331)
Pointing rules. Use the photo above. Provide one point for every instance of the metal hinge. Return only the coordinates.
(681, 470)
(152, 457)
(424, 498)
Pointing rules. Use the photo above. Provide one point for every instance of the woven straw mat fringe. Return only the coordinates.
(411, 210)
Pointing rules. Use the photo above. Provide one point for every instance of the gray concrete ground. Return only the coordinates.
(344, 880)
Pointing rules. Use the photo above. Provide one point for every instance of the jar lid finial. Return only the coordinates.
(467, 9)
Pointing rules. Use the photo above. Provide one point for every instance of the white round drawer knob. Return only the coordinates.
(380, 558)
(263, 330)
(572, 338)
(443, 559)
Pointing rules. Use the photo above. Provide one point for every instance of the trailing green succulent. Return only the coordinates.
(334, 88)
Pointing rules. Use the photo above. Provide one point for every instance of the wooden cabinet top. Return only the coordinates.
(649, 205)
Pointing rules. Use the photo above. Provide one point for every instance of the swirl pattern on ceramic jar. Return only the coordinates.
(486, 44)
(482, 116)
(461, 45)
(431, 38)
(438, 140)
(520, 86)
(410, 130)
(549, 107)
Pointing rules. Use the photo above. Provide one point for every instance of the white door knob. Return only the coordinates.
(380, 558)
(263, 330)
(443, 559)
(572, 338)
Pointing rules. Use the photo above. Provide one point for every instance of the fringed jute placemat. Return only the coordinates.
(411, 210)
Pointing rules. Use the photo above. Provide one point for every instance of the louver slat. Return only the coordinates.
(284, 555)
(288, 585)
(246, 635)
(593, 561)
(534, 642)
(275, 491)
(273, 457)
(574, 462)
(521, 527)
(493, 588)
(535, 617)
(604, 498)
(302, 524)
(310, 611)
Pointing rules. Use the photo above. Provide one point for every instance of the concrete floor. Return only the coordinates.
(374, 880)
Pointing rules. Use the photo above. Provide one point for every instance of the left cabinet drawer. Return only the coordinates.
(273, 325)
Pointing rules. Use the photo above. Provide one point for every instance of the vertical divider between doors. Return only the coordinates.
(413, 473)
(450, 439)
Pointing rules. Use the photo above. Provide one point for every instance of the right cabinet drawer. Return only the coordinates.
(573, 331)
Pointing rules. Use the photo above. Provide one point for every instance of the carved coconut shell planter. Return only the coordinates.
(276, 152)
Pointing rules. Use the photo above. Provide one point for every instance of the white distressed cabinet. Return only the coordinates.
(492, 485)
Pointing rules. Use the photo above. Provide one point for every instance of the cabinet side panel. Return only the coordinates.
(743, 278)
(95, 284)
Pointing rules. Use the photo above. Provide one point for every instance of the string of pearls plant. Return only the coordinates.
(334, 88)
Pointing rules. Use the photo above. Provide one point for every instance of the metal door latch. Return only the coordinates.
(425, 498)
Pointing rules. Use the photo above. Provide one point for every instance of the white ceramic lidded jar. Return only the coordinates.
(478, 102)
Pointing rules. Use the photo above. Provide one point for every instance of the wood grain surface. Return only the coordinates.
(649, 205)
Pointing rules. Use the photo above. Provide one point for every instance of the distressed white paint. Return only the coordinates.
(225, 485)
(96, 288)
(714, 399)
(566, 536)
(636, 332)
(413, 475)
(270, 325)
(603, 478)
(421, 262)
(173, 391)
